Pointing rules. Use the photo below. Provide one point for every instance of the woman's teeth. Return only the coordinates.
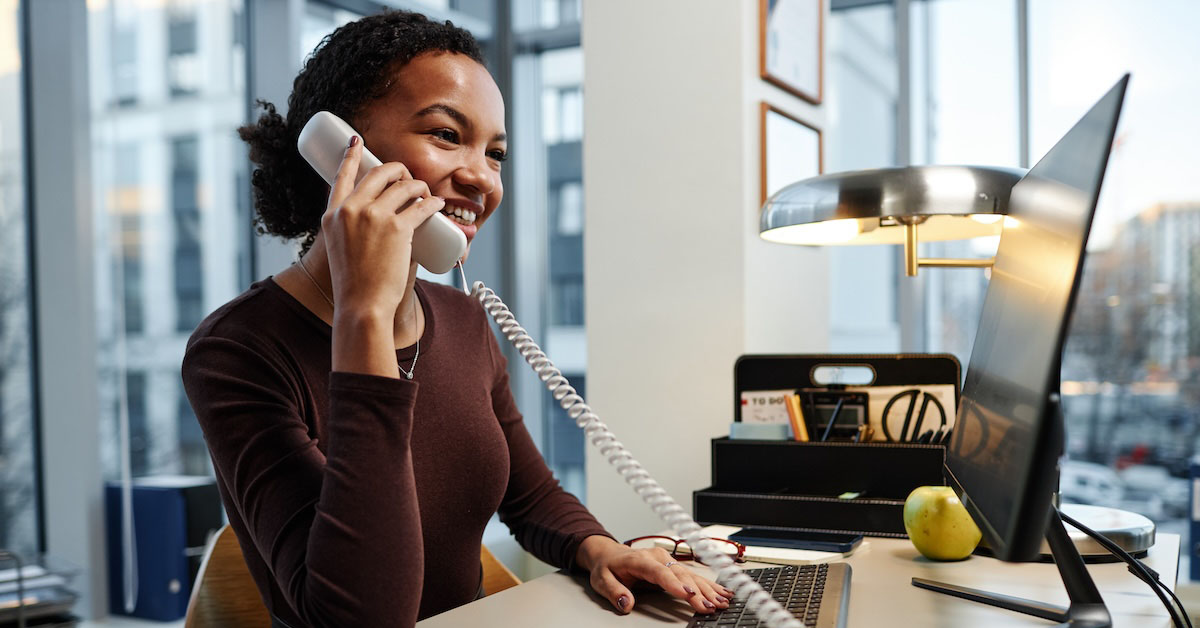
(460, 215)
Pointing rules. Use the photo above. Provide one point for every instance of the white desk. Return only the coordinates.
(881, 594)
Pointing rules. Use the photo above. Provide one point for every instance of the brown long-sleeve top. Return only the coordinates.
(361, 500)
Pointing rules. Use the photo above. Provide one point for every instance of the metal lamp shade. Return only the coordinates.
(874, 206)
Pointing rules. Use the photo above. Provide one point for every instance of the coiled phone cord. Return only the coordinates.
(728, 574)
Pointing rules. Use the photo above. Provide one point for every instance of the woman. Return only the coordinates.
(360, 496)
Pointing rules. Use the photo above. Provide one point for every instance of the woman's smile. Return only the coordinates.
(464, 213)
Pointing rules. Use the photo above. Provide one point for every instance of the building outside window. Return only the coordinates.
(184, 69)
(863, 90)
(548, 141)
(1129, 375)
(185, 211)
(170, 196)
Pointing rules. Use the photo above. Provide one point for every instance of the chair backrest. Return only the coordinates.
(225, 595)
(496, 577)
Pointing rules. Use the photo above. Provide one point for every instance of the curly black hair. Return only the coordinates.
(350, 68)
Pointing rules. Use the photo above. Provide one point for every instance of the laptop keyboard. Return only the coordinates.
(817, 595)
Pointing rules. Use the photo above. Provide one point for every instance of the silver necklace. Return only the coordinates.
(412, 368)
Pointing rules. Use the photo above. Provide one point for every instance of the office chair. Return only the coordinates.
(496, 577)
(225, 595)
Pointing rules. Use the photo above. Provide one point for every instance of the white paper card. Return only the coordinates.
(765, 406)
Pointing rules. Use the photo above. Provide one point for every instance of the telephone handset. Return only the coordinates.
(437, 244)
(438, 247)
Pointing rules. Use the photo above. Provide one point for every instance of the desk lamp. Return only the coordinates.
(890, 206)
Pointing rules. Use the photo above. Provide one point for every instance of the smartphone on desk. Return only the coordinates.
(798, 539)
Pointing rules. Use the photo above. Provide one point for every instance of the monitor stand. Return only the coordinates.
(1087, 609)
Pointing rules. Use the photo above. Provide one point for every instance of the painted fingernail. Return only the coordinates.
(690, 590)
(353, 140)
(708, 604)
(622, 602)
(722, 599)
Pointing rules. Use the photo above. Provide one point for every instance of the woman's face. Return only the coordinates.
(444, 120)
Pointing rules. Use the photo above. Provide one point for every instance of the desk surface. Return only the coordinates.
(880, 594)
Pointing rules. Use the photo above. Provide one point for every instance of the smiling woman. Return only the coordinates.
(360, 497)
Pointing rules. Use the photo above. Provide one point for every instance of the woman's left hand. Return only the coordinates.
(615, 568)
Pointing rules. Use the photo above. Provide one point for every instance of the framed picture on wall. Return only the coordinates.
(790, 150)
(790, 46)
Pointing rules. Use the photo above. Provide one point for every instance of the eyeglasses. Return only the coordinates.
(680, 550)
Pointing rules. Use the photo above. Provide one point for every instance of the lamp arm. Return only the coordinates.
(912, 261)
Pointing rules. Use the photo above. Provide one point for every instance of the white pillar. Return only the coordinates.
(678, 284)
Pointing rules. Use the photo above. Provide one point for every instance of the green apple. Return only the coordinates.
(938, 524)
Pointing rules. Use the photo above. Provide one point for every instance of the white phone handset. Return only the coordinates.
(437, 243)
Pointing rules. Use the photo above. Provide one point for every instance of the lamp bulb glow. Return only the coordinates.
(833, 231)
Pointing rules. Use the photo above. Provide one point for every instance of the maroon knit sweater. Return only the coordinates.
(361, 500)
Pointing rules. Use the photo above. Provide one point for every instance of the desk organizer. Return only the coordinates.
(797, 484)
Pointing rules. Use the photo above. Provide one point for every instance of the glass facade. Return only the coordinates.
(863, 88)
(168, 172)
(964, 69)
(18, 477)
(1129, 375)
(548, 169)
(1129, 383)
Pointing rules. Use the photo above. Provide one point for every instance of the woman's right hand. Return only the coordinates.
(368, 231)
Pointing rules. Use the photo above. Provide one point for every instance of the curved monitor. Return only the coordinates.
(1008, 434)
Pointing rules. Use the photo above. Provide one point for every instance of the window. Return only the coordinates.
(1129, 387)
(184, 64)
(171, 205)
(18, 473)
(863, 91)
(547, 103)
(1129, 379)
(123, 54)
(1134, 343)
(139, 429)
(320, 20)
(962, 49)
(545, 14)
(125, 200)
(189, 279)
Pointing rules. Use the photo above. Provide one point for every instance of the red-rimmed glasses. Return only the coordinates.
(680, 550)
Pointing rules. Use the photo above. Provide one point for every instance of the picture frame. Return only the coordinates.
(791, 46)
(790, 149)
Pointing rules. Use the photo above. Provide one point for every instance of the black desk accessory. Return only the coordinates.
(806, 485)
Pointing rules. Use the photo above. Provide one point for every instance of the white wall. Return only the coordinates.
(678, 284)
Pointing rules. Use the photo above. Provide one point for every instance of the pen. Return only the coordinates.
(833, 419)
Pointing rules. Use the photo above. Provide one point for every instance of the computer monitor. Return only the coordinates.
(1008, 435)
